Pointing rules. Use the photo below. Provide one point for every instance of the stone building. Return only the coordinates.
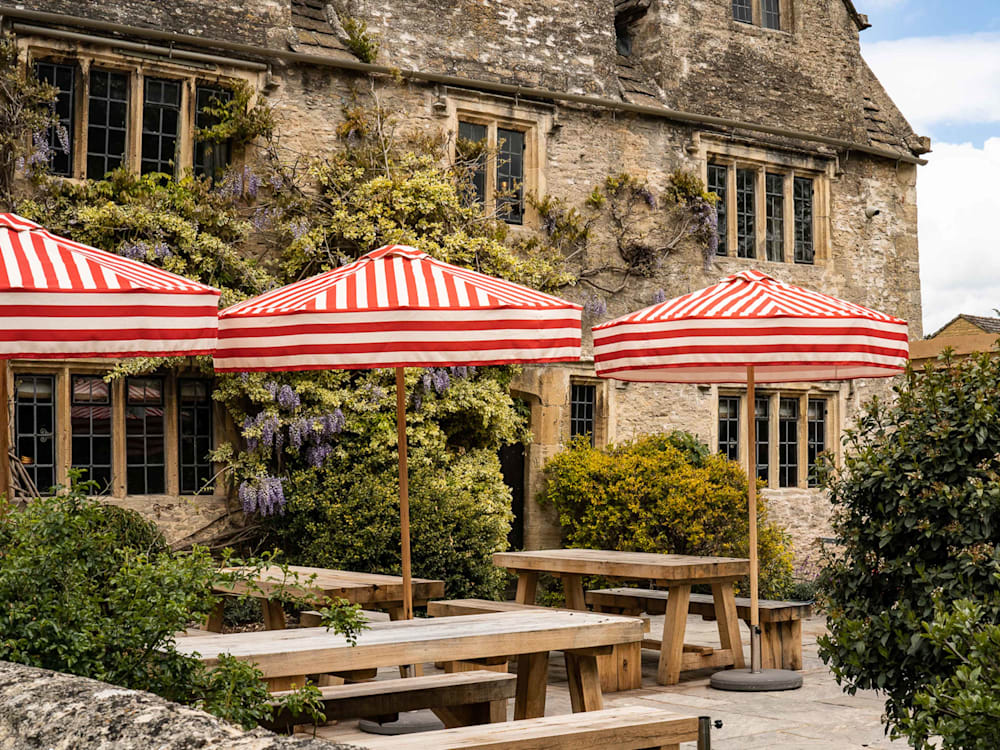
(768, 101)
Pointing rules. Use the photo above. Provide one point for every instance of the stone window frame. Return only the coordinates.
(63, 372)
(601, 409)
(820, 169)
(535, 121)
(785, 13)
(86, 55)
(803, 393)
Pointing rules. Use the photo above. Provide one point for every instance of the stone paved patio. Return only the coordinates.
(819, 716)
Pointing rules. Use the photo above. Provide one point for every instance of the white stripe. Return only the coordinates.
(390, 317)
(402, 294)
(444, 299)
(381, 292)
(10, 257)
(735, 325)
(124, 300)
(35, 266)
(423, 294)
(46, 322)
(361, 292)
(83, 268)
(58, 267)
(153, 344)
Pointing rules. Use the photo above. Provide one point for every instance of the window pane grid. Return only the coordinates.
(63, 78)
(144, 436)
(34, 428)
(762, 421)
(160, 120)
(788, 442)
(581, 410)
(510, 175)
(210, 158)
(816, 432)
(195, 435)
(803, 200)
(770, 13)
(107, 122)
(742, 11)
(774, 200)
(746, 209)
(717, 184)
(476, 133)
(90, 426)
(729, 427)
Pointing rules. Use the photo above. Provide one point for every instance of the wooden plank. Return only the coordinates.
(627, 565)
(573, 590)
(654, 601)
(791, 644)
(674, 625)
(532, 674)
(622, 728)
(724, 607)
(715, 658)
(527, 587)
(454, 607)
(584, 682)
(298, 651)
(215, 620)
(274, 614)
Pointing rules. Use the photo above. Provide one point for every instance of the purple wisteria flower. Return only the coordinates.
(272, 388)
(265, 496)
(441, 380)
(288, 398)
(269, 427)
(134, 250)
(659, 297)
(596, 306)
(317, 454)
(647, 195)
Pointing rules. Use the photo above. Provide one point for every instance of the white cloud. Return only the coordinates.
(951, 79)
(958, 197)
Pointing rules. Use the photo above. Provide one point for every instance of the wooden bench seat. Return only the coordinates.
(619, 670)
(780, 622)
(458, 699)
(623, 728)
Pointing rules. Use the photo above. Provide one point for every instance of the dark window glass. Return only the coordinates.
(34, 428)
(788, 442)
(774, 200)
(729, 427)
(803, 194)
(195, 434)
(816, 431)
(161, 109)
(581, 410)
(107, 125)
(742, 11)
(510, 175)
(90, 417)
(210, 158)
(762, 421)
(770, 14)
(473, 132)
(60, 138)
(144, 442)
(717, 185)
(746, 212)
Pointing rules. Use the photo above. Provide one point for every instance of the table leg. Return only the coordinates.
(674, 624)
(584, 682)
(214, 622)
(728, 622)
(532, 678)
(405, 670)
(274, 614)
(573, 589)
(527, 586)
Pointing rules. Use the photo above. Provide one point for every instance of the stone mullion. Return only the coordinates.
(760, 214)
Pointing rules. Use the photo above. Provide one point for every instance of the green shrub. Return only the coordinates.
(917, 509)
(662, 493)
(130, 529)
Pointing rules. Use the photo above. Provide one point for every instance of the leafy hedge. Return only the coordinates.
(663, 493)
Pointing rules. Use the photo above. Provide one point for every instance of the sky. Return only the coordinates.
(940, 62)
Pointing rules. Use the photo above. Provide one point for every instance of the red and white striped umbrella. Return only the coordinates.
(60, 299)
(397, 307)
(751, 328)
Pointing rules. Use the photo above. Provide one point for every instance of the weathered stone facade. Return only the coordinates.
(800, 97)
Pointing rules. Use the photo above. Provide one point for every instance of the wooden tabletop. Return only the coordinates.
(281, 653)
(357, 588)
(628, 565)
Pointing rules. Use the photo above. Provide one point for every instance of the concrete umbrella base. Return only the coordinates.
(746, 681)
(409, 722)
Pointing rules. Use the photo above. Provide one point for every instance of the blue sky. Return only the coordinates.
(939, 60)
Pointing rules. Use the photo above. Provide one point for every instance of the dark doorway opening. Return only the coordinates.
(512, 467)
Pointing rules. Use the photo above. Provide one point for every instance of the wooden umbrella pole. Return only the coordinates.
(404, 493)
(752, 501)
(4, 431)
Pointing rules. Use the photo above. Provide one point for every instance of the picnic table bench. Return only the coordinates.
(780, 622)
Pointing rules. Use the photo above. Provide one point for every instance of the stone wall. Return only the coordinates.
(43, 710)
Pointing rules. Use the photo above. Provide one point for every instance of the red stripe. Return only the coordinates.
(396, 346)
(391, 326)
(740, 363)
(116, 334)
(740, 333)
(219, 367)
(123, 354)
(750, 349)
(116, 312)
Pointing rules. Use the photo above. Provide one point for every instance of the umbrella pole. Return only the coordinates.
(752, 497)
(404, 493)
(4, 431)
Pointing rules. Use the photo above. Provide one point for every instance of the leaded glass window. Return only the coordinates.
(729, 427)
(583, 399)
(145, 458)
(803, 200)
(816, 432)
(770, 14)
(210, 158)
(717, 184)
(90, 424)
(160, 122)
(60, 137)
(762, 422)
(475, 133)
(195, 435)
(742, 11)
(774, 207)
(788, 442)
(510, 175)
(34, 428)
(107, 123)
(746, 210)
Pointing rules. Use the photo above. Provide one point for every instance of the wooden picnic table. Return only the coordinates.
(288, 656)
(675, 572)
(371, 590)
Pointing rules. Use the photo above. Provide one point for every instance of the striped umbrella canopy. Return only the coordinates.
(751, 328)
(397, 307)
(60, 299)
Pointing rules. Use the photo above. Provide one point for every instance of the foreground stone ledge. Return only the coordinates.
(54, 711)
